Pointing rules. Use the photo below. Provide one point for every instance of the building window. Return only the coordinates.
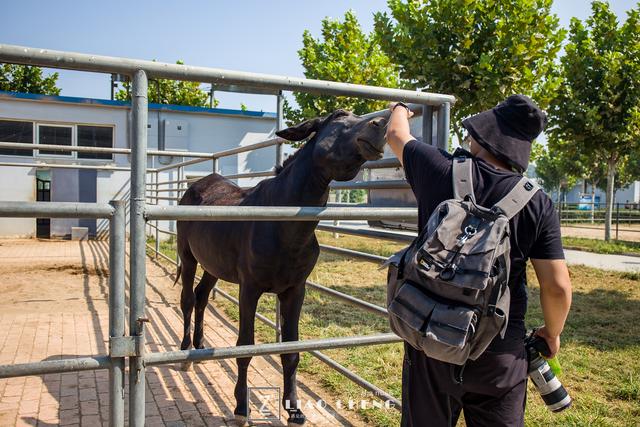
(15, 131)
(55, 135)
(95, 136)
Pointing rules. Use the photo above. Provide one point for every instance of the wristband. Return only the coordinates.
(401, 104)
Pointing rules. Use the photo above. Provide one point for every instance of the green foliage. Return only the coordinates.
(25, 78)
(173, 92)
(481, 51)
(345, 54)
(555, 172)
(597, 107)
(353, 196)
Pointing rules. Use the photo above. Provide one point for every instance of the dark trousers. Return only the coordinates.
(492, 393)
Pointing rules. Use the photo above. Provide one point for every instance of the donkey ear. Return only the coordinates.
(301, 131)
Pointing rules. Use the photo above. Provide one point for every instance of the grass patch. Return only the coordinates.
(600, 352)
(602, 247)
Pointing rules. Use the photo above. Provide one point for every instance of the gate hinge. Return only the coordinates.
(126, 346)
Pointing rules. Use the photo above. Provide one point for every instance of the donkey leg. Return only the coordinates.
(202, 299)
(249, 296)
(187, 298)
(290, 306)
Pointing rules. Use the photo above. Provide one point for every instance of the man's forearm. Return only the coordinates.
(555, 293)
(398, 133)
(555, 302)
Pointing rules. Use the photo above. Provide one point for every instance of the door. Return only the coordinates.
(43, 194)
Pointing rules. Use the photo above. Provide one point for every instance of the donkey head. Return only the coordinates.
(342, 142)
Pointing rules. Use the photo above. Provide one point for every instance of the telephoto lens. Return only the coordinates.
(553, 393)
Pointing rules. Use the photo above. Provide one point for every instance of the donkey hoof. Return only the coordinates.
(186, 366)
(241, 420)
(296, 418)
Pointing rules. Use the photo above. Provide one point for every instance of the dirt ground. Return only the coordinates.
(53, 304)
(596, 231)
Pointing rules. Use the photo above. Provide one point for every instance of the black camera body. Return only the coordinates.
(551, 390)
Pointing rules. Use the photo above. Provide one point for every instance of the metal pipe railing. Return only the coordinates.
(275, 213)
(55, 366)
(55, 210)
(154, 359)
(139, 70)
(182, 164)
(66, 166)
(98, 150)
(380, 185)
(139, 112)
(109, 64)
(349, 299)
(117, 243)
(354, 254)
(375, 234)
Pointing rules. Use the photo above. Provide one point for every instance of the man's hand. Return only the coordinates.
(398, 133)
(552, 341)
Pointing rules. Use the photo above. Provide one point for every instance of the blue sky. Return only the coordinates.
(258, 36)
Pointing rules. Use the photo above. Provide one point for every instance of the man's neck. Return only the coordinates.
(492, 160)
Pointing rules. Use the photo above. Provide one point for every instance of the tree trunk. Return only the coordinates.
(611, 175)
(458, 135)
(593, 202)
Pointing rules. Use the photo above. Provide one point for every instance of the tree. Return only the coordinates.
(597, 106)
(26, 78)
(345, 54)
(176, 92)
(555, 172)
(481, 51)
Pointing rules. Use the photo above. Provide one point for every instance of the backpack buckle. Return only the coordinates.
(448, 273)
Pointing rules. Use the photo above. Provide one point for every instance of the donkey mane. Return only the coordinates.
(293, 157)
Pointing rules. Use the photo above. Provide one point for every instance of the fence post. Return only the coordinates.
(117, 232)
(157, 245)
(442, 138)
(279, 126)
(427, 124)
(139, 113)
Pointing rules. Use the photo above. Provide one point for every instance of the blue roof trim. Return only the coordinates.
(110, 103)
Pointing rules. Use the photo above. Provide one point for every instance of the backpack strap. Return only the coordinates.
(518, 197)
(463, 178)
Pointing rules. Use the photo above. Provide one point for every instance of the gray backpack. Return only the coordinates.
(448, 292)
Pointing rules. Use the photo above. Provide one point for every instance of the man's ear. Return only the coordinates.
(301, 131)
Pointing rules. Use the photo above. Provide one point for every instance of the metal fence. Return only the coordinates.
(624, 216)
(131, 345)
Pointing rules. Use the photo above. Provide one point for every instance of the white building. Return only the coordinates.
(60, 120)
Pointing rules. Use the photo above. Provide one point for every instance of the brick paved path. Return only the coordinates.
(53, 305)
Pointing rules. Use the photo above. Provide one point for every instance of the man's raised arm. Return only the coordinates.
(398, 133)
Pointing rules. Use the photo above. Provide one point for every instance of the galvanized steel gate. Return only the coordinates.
(131, 345)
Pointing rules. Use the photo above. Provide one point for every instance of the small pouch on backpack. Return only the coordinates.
(451, 325)
(412, 307)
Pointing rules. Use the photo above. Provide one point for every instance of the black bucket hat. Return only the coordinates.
(508, 129)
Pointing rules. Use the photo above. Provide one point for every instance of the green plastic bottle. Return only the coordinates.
(554, 364)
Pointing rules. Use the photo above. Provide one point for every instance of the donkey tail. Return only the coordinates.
(178, 274)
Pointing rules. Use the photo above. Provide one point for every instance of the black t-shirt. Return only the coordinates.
(535, 230)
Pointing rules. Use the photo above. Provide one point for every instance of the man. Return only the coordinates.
(493, 389)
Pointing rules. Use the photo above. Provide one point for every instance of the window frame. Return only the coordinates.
(33, 135)
(113, 142)
(35, 152)
(71, 155)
